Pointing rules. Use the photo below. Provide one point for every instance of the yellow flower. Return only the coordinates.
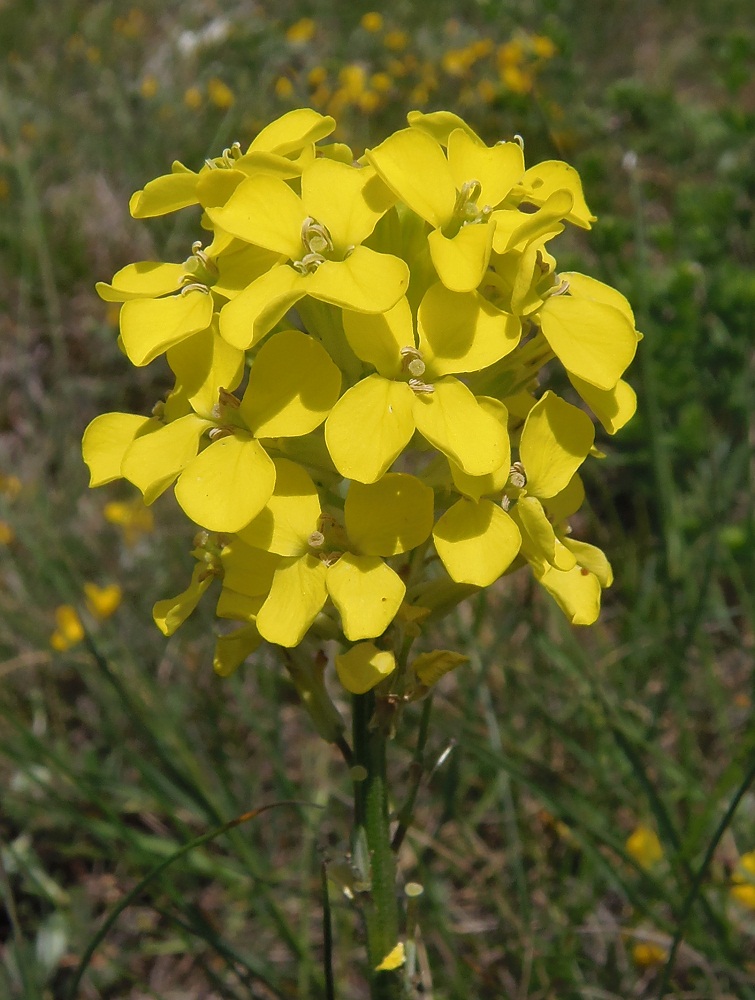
(69, 629)
(396, 40)
(193, 98)
(352, 79)
(543, 46)
(220, 94)
(646, 954)
(148, 87)
(517, 80)
(317, 76)
(10, 486)
(284, 88)
(644, 846)
(132, 517)
(6, 533)
(102, 602)
(369, 101)
(487, 91)
(381, 82)
(743, 881)
(372, 21)
(302, 31)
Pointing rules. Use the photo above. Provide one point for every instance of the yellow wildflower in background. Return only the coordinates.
(148, 87)
(193, 98)
(646, 954)
(102, 602)
(7, 533)
(301, 32)
(132, 517)
(10, 486)
(69, 629)
(543, 47)
(283, 87)
(644, 846)
(743, 881)
(220, 94)
(396, 40)
(317, 76)
(372, 21)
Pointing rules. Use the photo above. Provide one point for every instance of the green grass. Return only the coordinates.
(553, 744)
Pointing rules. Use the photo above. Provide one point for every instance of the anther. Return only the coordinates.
(316, 540)
(518, 476)
(421, 387)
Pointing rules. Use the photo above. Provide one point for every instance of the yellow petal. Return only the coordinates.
(462, 332)
(293, 131)
(153, 460)
(556, 439)
(475, 487)
(577, 592)
(476, 542)
(540, 181)
(592, 340)
(591, 558)
(515, 229)
(165, 194)
(393, 960)
(539, 542)
(366, 593)
(231, 650)
(582, 286)
(440, 124)
(296, 598)
(69, 629)
(246, 570)
(171, 613)
(215, 187)
(365, 281)
(567, 501)
(613, 407)
(254, 312)
(290, 516)
(461, 262)
(413, 166)
(293, 386)
(150, 326)
(144, 280)
(375, 410)
(497, 168)
(390, 516)
(362, 199)
(105, 442)
(644, 846)
(239, 607)
(430, 667)
(203, 364)
(364, 666)
(452, 420)
(242, 265)
(265, 211)
(227, 484)
(378, 339)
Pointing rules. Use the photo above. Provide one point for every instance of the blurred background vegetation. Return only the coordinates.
(118, 748)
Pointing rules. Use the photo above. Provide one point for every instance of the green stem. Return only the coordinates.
(381, 912)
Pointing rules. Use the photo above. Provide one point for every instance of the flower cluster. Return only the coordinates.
(357, 424)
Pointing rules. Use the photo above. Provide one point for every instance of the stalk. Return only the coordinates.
(381, 911)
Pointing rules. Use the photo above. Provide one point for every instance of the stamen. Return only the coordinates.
(518, 476)
(421, 387)
(316, 540)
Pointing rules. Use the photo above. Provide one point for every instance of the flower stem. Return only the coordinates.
(381, 912)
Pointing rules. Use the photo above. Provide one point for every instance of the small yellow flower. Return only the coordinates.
(372, 21)
(381, 82)
(743, 881)
(396, 40)
(301, 32)
(646, 954)
(644, 846)
(369, 101)
(94, 56)
(6, 533)
(283, 87)
(193, 98)
(543, 47)
(517, 80)
(487, 91)
(102, 602)
(69, 629)
(133, 518)
(352, 79)
(220, 94)
(10, 486)
(317, 76)
(148, 87)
